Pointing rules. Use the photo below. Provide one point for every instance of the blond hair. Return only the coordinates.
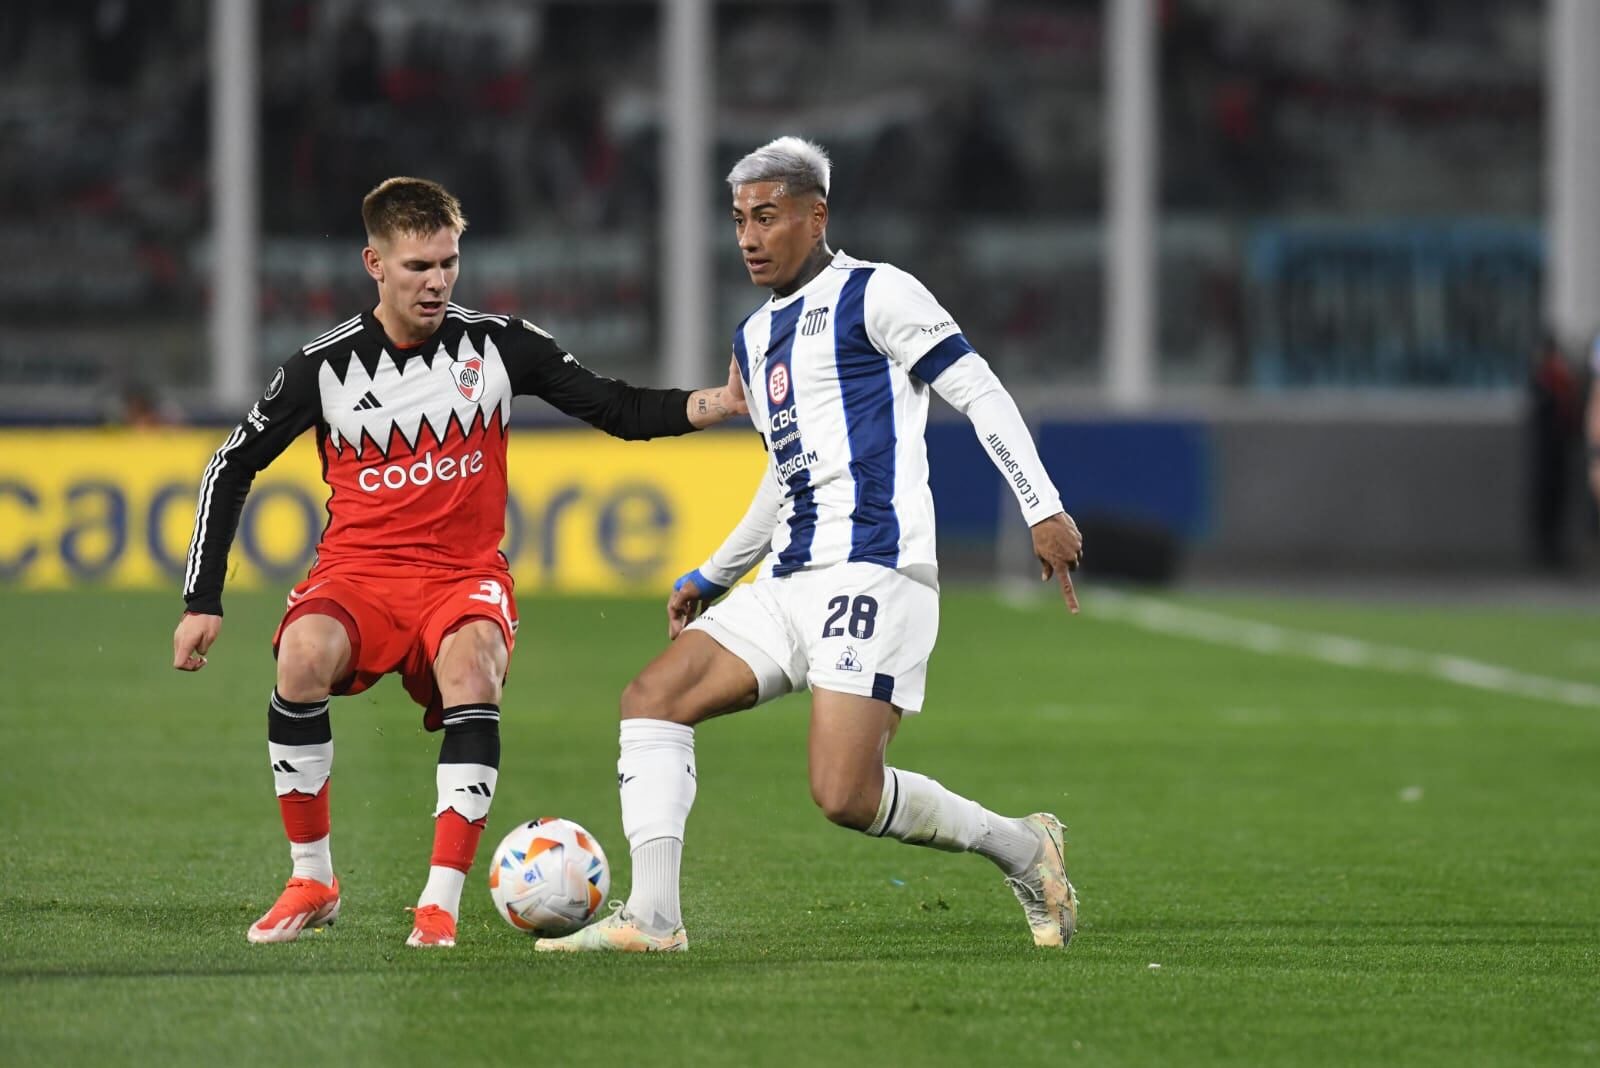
(410, 206)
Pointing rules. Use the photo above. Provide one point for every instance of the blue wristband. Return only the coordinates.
(709, 591)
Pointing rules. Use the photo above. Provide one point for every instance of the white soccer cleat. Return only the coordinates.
(303, 903)
(619, 932)
(1046, 894)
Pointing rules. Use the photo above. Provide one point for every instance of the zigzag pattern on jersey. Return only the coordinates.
(396, 443)
(422, 404)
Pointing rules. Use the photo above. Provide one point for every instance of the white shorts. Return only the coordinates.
(852, 628)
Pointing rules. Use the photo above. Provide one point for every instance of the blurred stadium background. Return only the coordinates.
(1270, 280)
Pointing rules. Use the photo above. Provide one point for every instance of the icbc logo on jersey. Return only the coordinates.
(778, 382)
(468, 375)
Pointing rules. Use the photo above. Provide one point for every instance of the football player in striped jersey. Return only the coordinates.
(411, 403)
(837, 366)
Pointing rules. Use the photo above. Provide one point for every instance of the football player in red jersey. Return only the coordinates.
(411, 402)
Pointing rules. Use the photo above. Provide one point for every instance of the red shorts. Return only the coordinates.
(396, 620)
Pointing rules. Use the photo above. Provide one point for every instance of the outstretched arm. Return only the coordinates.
(738, 553)
(708, 407)
(540, 367)
(972, 388)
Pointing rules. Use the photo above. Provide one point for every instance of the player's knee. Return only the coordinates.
(471, 670)
(844, 803)
(646, 697)
(305, 670)
(633, 702)
(642, 699)
(312, 653)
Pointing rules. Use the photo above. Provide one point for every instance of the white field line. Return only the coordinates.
(1273, 640)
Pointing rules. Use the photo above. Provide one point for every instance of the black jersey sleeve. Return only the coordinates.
(290, 405)
(542, 368)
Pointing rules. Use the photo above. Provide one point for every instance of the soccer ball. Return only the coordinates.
(549, 877)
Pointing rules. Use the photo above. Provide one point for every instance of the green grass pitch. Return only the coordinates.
(1250, 823)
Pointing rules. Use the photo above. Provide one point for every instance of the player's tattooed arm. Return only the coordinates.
(540, 367)
(711, 406)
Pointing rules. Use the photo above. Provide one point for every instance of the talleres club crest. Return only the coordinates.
(468, 375)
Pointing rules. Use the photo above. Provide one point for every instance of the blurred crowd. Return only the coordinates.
(967, 134)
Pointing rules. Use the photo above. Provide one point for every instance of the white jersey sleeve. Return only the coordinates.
(972, 389)
(747, 543)
(906, 323)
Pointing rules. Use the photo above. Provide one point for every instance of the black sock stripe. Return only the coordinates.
(313, 729)
(298, 709)
(471, 741)
(894, 802)
(463, 727)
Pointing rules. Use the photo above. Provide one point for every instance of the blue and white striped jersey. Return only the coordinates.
(837, 375)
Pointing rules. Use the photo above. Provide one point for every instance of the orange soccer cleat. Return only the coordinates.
(434, 927)
(303, 903)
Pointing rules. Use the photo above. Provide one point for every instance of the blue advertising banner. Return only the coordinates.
(1455, 304)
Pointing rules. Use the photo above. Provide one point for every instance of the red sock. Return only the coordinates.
(455, 840)
(305, 817)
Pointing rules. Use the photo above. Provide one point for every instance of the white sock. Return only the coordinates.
(312, 860)
(300, 745)
(919, 811)
(444, 889)
(656, 778)
(1011, 843)
(654, 900)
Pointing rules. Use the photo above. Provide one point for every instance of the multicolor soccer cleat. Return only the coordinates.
(433, 927)
(1047, 896)
(619, 932)
(303, 903)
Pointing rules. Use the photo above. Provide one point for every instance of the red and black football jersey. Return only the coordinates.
(412, 440)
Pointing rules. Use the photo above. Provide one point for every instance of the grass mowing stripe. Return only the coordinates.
(1271, 639)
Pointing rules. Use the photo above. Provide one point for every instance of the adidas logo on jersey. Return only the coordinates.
(367, 403)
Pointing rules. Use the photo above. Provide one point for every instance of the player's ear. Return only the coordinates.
(819, 217)
(372, 262)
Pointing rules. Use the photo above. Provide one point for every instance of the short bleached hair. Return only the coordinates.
(802, 166)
